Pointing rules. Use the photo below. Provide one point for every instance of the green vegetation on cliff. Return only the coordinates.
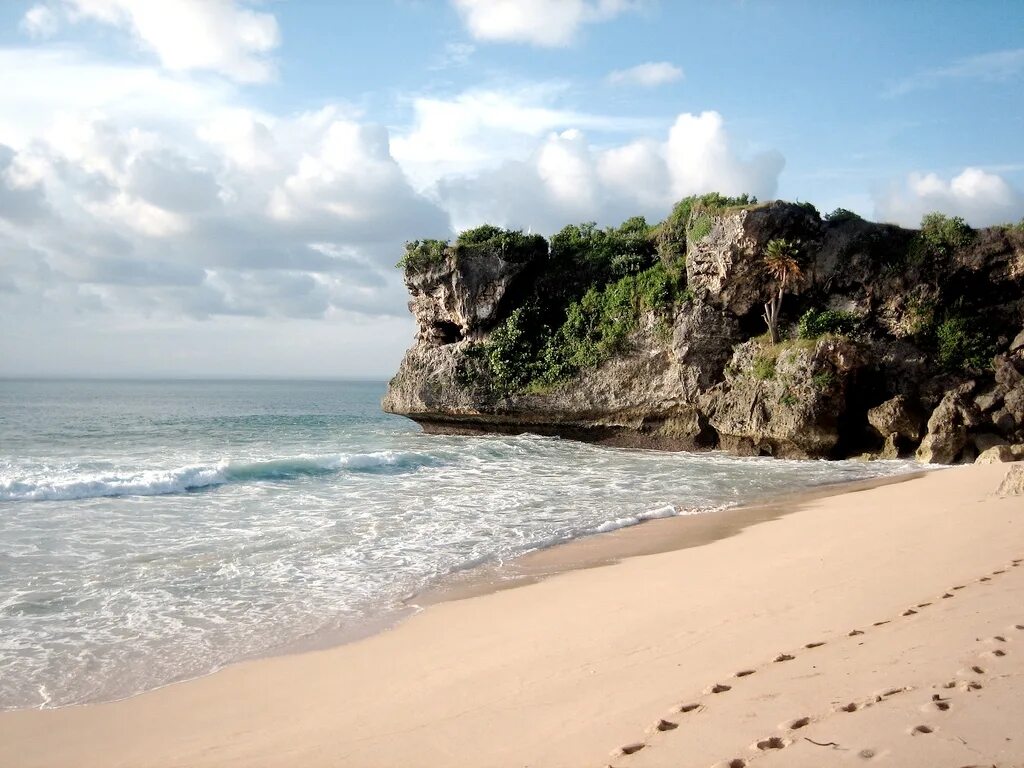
(590, 289)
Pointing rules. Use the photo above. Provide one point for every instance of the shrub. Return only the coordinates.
(809, 207)
(670, 238)
(586, 255)
(524, 353)
(840, 215)
(814, 323)
(939, 237)
(963, 346)
(512, 350)
(944, 234)
(423, 254)
(700, 227)
(507, 244)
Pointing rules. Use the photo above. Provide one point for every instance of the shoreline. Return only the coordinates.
(446, 667)
(647, 537)
(592, 550)
(589, 550)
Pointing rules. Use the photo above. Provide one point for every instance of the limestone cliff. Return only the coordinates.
(907, 340)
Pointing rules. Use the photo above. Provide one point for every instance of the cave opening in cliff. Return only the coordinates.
(446, 332)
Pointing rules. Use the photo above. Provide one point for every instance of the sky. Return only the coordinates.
(223, 187)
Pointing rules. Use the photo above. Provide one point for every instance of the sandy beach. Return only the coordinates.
(883, 625)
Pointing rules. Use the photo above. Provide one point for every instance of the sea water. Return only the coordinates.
(153, 531)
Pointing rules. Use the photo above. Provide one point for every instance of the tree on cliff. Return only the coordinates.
(783, 269)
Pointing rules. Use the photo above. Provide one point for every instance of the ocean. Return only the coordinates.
(154, 531)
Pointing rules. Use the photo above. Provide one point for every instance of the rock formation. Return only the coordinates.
(920, 349)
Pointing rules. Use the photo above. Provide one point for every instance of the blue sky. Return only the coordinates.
(221, 187)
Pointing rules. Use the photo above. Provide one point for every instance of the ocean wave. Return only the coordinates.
(194, 477)
(630, 520)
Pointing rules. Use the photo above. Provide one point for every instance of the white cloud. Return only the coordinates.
(996, 66)
(568, 179)
(982, 198)
(39, 22)
(120, 210)
(40, 83)
(216, 35)
(481, 128)
(548, 23)
(648, 75)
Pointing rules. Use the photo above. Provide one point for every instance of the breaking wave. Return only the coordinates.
(193, 477)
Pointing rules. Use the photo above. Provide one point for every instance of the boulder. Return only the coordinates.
(1013, 482)
(947, 427)
(896, 416)
(1006, 374)
(786, 400)
(1018, 342)
(989, 401)
(1013, 404)
(891, 447)
(985, 440)
(1001, 454)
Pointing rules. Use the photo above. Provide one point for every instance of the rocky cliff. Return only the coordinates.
(895, 342)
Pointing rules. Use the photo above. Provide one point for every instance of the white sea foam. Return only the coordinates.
(630, 520)
(67, 486)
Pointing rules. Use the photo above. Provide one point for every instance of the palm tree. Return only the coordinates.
(783, 268)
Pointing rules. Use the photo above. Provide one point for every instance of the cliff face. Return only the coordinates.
(909, 324)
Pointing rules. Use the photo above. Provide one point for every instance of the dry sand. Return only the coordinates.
(884, 626)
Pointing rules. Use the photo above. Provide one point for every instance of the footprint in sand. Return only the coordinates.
(921, 729)
(854, 633)
(996, 573)
(998, 653)
(1018, 626)
(772, 742)
(866, 754)
(959, 586)
(923, 605)
(689, 707)
(665, 725)
(851, 707)
(910, 612)
(719, 688)
(783, 657)
(800, 723)
(630, 749)
(814, 645)
(985, 578)
(942, 706)
(973, 685)
(947, 595)
(978, 670)
(745, 672)
(894, 691)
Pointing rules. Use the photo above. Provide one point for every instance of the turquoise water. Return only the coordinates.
(155, 531)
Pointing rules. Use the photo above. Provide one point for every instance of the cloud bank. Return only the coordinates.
(980, 197)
